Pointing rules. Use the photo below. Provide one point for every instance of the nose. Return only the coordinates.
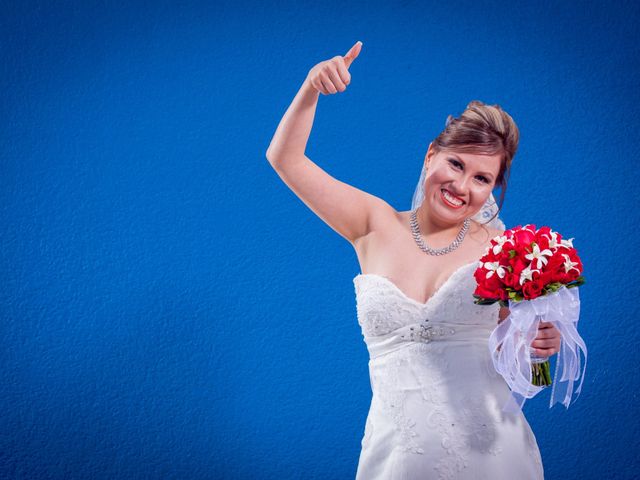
(459, 188)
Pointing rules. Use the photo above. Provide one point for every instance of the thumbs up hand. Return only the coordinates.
(332, 76)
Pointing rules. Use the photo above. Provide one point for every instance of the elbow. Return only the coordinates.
(278, 158)
(269, 156)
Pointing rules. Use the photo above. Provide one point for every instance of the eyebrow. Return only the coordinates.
(462, 162)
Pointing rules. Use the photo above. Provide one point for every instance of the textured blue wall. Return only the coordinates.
(170, 309)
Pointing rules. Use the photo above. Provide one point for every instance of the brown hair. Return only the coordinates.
(483, 130)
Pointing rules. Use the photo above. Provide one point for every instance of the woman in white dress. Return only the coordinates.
(436, 405)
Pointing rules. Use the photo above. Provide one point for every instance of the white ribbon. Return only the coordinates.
(517, 332)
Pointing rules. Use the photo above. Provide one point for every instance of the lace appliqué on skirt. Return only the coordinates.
(392, 398)
(462, 428)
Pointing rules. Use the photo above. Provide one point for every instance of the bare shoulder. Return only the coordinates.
(380, 218)
(495, 231)
(383, 216)
(483, 233)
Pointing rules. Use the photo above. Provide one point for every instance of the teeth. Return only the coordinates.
(453, 200)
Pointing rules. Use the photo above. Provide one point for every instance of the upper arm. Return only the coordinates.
(349, 211)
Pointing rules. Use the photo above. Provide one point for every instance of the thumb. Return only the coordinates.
(352, 53)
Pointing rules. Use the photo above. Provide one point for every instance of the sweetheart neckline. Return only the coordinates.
(421, 304)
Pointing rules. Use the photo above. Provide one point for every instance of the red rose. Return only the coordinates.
(512, 280)
(494, 281)
(523, 239)
(487, 293)
(554, 263)
(532, 289)
(518, 263)
(542, 240)
(546, 277)
(544, 232)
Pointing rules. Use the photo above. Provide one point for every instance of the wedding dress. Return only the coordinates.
(436, 412)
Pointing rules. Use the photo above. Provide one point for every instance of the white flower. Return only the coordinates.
(526, 274)
(494, 267)
(569, 265)
(539, 256)
(553, 239)
(567, 242)
(500, 240)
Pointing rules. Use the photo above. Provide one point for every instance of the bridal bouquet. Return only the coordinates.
(536, 274)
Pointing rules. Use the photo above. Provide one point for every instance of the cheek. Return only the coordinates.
(480, 199)
(437, 177)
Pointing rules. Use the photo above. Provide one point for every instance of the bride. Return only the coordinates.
(435, 409)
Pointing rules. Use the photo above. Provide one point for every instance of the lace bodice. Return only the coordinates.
(436, 395)
(383, 308)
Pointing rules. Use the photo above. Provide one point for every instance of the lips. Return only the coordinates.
(452, 195)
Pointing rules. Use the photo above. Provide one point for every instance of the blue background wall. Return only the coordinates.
(170, 309)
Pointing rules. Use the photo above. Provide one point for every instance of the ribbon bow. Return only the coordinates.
(517, 332)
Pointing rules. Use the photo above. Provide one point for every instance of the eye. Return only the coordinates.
(457, 163)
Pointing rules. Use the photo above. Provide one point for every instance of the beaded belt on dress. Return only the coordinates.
(425, 333)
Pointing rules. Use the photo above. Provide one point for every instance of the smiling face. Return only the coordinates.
(468, 177)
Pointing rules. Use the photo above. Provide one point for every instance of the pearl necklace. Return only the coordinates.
(415, 228)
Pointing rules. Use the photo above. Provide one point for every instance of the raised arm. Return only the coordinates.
(351, 212)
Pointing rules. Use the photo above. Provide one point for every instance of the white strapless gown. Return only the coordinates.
(436, 406)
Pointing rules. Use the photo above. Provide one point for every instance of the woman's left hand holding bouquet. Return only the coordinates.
(548, 340)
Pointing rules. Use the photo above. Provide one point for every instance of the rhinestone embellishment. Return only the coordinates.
(427, 333)
(415, 229)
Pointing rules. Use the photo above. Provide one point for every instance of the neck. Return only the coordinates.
(434, 226)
